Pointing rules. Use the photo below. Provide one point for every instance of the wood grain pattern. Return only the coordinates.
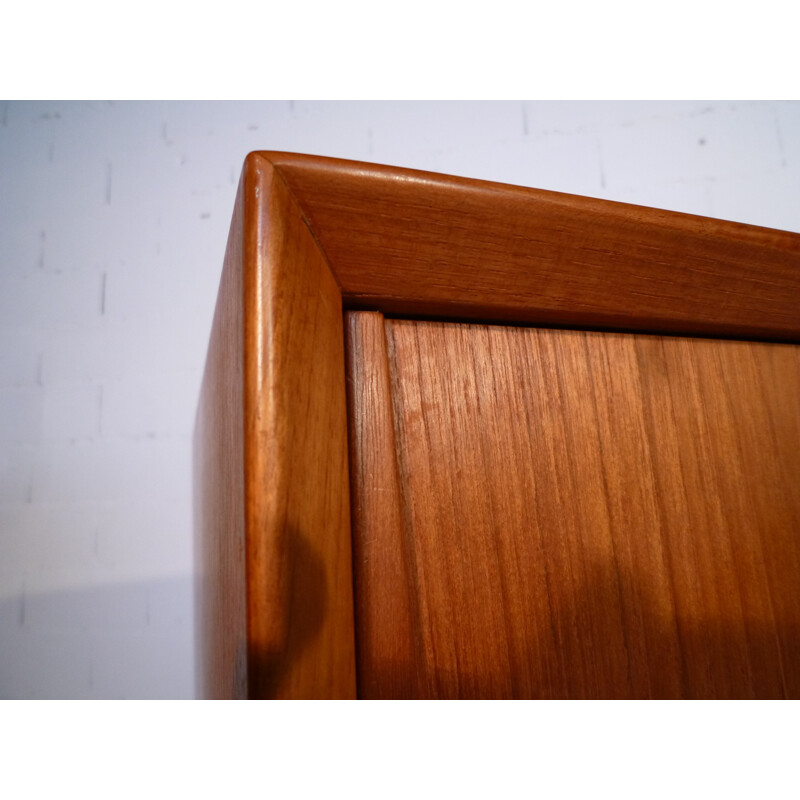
(414, 243)
(640, 491)
(583, 514)
(289, 340)
(220, 612)
(385, 622)
(299, 578)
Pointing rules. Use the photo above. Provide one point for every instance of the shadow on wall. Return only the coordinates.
(132, 640)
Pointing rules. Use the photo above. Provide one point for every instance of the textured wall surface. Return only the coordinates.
(113, 222)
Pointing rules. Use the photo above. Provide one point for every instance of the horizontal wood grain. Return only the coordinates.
(405, 242)
(579, 515)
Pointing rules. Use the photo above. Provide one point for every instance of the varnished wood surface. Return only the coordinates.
(275, 606)
(385, 622)
(220, 613)
(277, 463)
(415, 243)
(578, 514)
(299, 579)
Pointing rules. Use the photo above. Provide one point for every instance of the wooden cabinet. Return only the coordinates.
(462, 439)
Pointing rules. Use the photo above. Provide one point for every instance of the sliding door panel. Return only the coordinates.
(565, 514)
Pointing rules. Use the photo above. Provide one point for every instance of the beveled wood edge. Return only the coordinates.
(735, 241)
(265, 638)
(289, 164)
(269, 558)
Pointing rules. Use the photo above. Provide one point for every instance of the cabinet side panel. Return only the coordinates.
(220, 625)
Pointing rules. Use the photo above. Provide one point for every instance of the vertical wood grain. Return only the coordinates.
(736, 479)
(275, 470)
(299, 574)
(385, 620)
(220, 613)
(582, 514)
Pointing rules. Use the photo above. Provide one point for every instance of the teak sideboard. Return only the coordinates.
(459, 439)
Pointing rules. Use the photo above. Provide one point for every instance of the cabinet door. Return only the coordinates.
(567, 514)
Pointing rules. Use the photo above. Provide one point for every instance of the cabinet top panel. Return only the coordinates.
(411, 243)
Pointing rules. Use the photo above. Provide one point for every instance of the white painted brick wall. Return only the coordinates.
(72, 411)
(113, 223)
(21, 414)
